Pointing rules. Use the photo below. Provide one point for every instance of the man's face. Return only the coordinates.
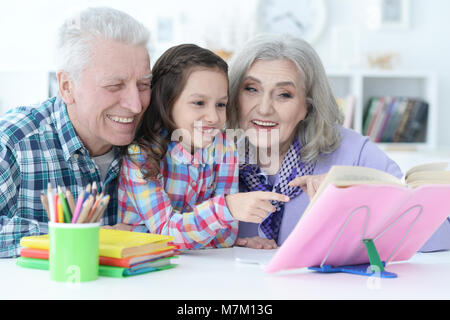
(111, 96)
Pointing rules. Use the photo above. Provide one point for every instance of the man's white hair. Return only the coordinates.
(79, 33)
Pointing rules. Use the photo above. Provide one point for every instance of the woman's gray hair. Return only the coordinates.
(319, 132)
(79, 33)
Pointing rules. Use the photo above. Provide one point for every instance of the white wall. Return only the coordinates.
(423, 46)
(28, 32)
(28, 28)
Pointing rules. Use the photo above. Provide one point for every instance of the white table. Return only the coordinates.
(215, 275)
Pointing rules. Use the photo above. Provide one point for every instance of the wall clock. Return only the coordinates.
(304, 19)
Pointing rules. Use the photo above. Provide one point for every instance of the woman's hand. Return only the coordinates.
(256, 243)
(253, 206)
(119, 226)
(309, 184)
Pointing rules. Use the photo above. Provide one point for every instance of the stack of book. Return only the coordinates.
(122, 253)
(395, 119)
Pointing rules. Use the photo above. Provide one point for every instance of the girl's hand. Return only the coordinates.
(256, 243)
(309, 184)
(253, 206)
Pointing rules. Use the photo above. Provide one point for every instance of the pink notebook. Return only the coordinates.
(398, 219)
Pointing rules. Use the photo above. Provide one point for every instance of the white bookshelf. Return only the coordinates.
(364, 84)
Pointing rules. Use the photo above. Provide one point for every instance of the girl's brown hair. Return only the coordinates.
(170, 74)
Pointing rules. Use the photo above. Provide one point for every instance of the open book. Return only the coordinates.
(344, 176)
(357, 204)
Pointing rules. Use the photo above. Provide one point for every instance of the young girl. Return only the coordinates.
(179, 187)
(181, 175)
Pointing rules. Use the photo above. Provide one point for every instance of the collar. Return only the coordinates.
(70, 142)
(201, 156)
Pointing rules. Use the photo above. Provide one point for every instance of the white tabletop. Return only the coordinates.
(214, 274)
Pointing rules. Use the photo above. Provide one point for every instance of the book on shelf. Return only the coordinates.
(354, 205)
(384, 119)
(347, 106)
(416, 123)
(395, 119)
(389, 132)
(380, 117)
(371, 114)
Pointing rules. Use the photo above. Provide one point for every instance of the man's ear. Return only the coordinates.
(65, 85)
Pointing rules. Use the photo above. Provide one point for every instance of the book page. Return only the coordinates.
(419, 183)
(342, 176)
(436, 166)
(428, 177)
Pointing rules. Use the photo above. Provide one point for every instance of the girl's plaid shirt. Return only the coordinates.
(187, 200)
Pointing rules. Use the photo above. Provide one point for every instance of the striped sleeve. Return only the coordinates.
(227, 182)
(143, 202)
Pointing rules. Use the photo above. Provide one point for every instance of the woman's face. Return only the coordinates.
(271, 100)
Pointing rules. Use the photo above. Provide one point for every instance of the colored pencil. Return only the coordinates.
(87, 205)
(77, 211)
(87, 192)
(88, 188)
(65, 206)
(94, 190)
(51, 203)
(60, 210)
(55, 204)
(103, 203)
(97, 212)
(94, 207)
(44, 201)
(104, 207)
(70, 201)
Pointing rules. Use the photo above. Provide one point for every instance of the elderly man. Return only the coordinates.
(74, 139)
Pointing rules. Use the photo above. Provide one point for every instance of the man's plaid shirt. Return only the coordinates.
(39, 145)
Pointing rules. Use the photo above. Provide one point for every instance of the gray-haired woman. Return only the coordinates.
(279, 88)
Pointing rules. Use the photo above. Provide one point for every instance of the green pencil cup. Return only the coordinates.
(73, 251)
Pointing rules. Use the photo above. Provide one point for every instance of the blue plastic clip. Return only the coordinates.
(374, 268)
(361, 269)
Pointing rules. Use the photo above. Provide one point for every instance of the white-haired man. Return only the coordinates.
(74, 139)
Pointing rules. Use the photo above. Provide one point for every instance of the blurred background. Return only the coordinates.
(386, 59)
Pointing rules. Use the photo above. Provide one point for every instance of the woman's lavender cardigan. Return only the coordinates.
(354, 150)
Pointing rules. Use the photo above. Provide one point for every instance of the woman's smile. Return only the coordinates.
(264, 124)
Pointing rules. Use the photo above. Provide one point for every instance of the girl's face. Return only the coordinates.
(200, 110)
(272, 98)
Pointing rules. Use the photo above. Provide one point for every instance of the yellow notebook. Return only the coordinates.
(112, 243)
